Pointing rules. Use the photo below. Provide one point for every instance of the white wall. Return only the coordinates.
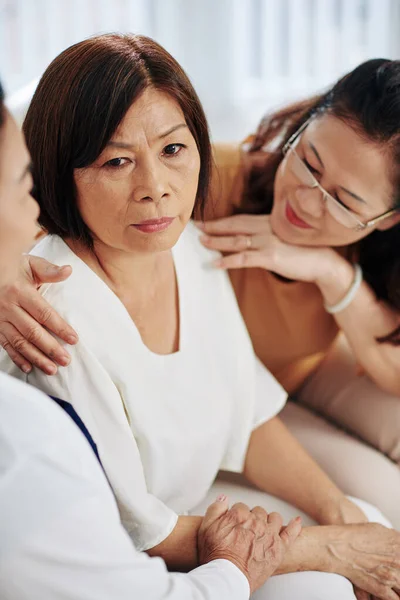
(243, 56)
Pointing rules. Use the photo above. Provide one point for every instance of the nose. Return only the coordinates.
(151, 183)
(310, 201)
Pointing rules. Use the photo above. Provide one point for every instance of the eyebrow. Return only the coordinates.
(313, 148)
(28, 169)
(120, 144)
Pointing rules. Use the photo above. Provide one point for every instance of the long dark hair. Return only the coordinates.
(368, 99)
(81, 99)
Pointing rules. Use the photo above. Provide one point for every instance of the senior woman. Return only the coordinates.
(164, 375)
(69, 512)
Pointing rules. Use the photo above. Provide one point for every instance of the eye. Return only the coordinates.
(173, 149)
(310, 167)
(340, 202)
(116, 163)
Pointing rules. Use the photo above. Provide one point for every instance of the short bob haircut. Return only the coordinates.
(81, 99)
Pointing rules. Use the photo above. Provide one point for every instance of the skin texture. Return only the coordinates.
(18, 210)
(143, 173)
(262, 536)
(349, 162)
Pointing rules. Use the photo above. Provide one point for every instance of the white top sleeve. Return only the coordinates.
(96, 399)
(60, 531)
(270, 396)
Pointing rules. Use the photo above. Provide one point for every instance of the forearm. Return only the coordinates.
(363, 321)
(278, 464)
(179, 549)
(310, 552)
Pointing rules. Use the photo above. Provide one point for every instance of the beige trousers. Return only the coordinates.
(352, 429)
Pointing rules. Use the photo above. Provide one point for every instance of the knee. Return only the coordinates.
(372, 513)
(309, 585)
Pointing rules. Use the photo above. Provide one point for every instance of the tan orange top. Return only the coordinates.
(289, 327)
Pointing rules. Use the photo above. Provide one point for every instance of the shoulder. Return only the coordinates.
(29, 420)
(53, 249)
(75, 297)
(226, 181)
(227, 155)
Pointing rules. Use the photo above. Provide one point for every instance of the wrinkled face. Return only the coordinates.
(18, 210)
(354, 171)
(140, 192)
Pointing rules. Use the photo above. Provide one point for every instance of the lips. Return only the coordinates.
(294, 219)
(154, 225)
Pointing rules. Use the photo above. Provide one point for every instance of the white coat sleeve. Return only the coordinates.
(89, 388)
(61, 535)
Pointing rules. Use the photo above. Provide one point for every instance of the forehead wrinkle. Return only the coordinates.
(151, 115)
(131, 146)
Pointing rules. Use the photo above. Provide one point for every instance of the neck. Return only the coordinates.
(123, 271)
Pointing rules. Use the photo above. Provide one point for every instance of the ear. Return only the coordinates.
(386, 224)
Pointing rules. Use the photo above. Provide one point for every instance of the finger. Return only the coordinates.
(38, 337)
(17, 342)
(215, 511)
(36, 306)
(233, 243)
(241, 512)
(15, 356)
(243, 260)
(275, 520)
(384, 592)
(388, 594)
(260, 513)
(291, 532)
(361, 594)
(44, 271)
(245, 224)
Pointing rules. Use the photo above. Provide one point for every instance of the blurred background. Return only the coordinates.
(245, 57)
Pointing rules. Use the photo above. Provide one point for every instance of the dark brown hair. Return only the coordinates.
(81, 99)
(368, 100)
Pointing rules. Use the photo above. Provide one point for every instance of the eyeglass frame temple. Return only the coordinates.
(360, 225)
(295, 135)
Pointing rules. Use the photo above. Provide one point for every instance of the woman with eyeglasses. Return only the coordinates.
(308, 219)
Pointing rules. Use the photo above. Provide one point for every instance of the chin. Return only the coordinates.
(283, 230)
(291, 234)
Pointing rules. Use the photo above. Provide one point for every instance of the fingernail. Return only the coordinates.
(26, 368)
(217, 263)
(64, 360)
(221, 498)
(52, 269)
(199, 224)
(205, 239)
(72, 339)
(51, 369)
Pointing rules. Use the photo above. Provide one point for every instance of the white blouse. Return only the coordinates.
(163, 425)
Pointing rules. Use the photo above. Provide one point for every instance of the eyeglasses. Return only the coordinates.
(340, 213)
